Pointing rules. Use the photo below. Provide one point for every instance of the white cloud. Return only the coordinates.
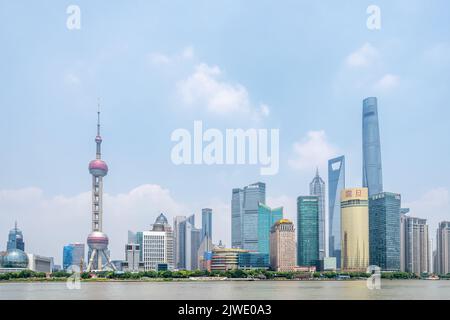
(365, 71)
(387, 82)
(365, 56)
(204, 88)
(434, 206)
(162, 59)
(312, 151)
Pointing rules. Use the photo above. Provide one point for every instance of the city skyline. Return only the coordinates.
(144, 80)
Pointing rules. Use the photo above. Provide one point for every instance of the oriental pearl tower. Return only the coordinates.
(97, 240)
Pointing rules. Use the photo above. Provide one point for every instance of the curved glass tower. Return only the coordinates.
(336, 183)
(372, 174)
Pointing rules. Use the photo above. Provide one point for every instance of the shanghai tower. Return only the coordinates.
(372, 173)
(97, 240)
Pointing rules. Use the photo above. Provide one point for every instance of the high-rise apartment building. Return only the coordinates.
(336, 183)
(283, 255)
(414, 244)
(158, 245)
(266, 219)
(384, 230)
(355, 229)
(317, 188)
(308, 242)
(372, 171)
(443, 248)
(244, 215)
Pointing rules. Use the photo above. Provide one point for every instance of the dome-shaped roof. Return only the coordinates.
(161, 223)
(161, 219)
(15, 259)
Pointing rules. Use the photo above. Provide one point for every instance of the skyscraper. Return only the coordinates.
(97, 240)
(205, 245)
(317, 188)
(244, 215)
(414, 244)
(372, 172)
(336, 183)
(443, 248)
(158, 244)
(237, 201)
(177, 240)
(74, 255)
(15, 239)
(384, 230)
(355, 229)
(189, 240)
(266, 219)
(282, 246)
(206, 223)
(308, 231)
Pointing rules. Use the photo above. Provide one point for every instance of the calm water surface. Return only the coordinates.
(391, 289)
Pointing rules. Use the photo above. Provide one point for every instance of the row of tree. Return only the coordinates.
(233, 274)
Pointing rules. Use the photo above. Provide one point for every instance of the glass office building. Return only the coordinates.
(244, 215)
(384, 230)
(372, 173)
(253, 260)
(307, 230)
(266, 219)
(336, 183)
(206, 223)
(73, 255)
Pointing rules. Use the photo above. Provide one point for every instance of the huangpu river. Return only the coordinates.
(226, 290)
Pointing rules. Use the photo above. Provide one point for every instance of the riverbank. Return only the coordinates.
(226, 290)
(198, 275)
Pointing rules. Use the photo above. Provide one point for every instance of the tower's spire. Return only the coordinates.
(98, 138)
(15, 225)
(317, 171)
(98, 117)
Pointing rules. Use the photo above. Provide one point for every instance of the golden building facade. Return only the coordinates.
(283, 249)
(355, 229)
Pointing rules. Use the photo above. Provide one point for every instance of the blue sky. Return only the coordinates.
(310, 63)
